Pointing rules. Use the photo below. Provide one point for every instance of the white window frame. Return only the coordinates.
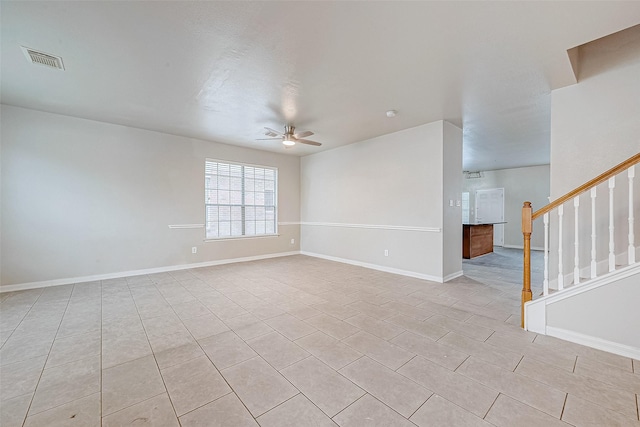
(243, 206)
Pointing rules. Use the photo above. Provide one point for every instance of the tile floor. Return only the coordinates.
(296, 341)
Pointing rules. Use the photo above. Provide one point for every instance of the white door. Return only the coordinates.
(490, 208)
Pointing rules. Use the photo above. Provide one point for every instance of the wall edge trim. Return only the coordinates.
(373, 226)
(595, 342)
(375, 267)
(120, 274)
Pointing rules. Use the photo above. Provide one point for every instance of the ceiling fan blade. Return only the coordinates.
(269, 139)
(274, 132)
(308, 142)
(303, 134)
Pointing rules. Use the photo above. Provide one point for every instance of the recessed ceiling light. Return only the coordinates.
(392, 113)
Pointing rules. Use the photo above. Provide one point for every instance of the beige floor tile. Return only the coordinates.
(124, 348)
(20, 378)
(226, 349)
(205, 326)
(13, 411)
(328, 390)
(522, 345)
(378, 349)
(336, 310)
(393, 389)
(608, 374)
(368, 411)
(499, 357)
(408, 310)
(258, 385)
(429, 349)
(154, 412)
(278, 351)
(331, 326)
(614, 360)
(372, 310)
(114, 328)
(78, 325)
(452, 312)
(508, 412)
(438, 411)
(471, 330)
(379, 328)
(191, 309)
(290, 327)
(295, 412)
(193, 384)
(178, 353)
(424, 328)
(456, 388)
(303, 312)
(130, 383)
(248, 326)
(82, 412)
(329, 350)
(580, 412)
(66, 383)
(74, 348)
(533, 393)
(228, 411)
(585, 388)
(22, 347)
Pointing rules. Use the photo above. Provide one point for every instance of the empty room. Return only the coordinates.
(223, 213)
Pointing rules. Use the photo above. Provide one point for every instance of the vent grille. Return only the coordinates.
(42, 58)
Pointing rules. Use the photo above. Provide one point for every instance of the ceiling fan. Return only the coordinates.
(289, 138)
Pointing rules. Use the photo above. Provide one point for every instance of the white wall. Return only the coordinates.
(594, 126)
(452, 191)
(355, 199)
(82, 198)
(520, 185)
(608, 313)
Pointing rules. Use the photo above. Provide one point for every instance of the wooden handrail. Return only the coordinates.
(528, 217)
(588, 185)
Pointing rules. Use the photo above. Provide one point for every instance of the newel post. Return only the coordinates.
(527, 226)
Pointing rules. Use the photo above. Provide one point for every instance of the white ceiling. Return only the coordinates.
(221, 71)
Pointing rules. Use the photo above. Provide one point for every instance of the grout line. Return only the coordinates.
(48, 354)
(564, 405)
(518, 364)
(575, 363)
(400, 367)
(492, 403)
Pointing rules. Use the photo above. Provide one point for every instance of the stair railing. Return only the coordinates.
(528, 216)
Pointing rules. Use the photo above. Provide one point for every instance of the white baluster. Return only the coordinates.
(545, 282)
(631, 251)
(560, 273)
(612, 244)
(593, 234)
(576, 244)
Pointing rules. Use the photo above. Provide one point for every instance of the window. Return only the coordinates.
(240, 200)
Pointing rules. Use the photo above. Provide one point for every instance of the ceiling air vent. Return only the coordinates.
(42, 58)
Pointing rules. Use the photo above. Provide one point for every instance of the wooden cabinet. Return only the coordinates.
(477, 239)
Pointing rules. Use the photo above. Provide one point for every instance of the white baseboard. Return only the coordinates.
(71, 280)
(453, 275)
(376, 267)
(595, 342)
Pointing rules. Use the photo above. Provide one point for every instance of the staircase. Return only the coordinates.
(591, 286)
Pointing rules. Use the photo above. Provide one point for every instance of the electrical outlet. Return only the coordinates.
(194, 250)
(386, 252)
(293, 241)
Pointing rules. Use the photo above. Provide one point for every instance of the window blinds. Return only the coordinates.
(240, 200)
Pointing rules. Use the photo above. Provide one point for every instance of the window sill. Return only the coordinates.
(261, 236)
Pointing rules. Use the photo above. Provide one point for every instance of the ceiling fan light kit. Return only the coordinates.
(289, 138)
